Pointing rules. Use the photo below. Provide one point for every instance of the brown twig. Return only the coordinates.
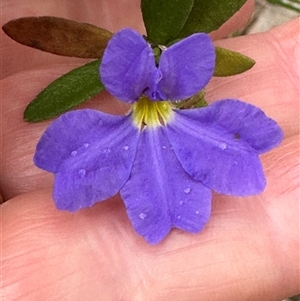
(1, 198)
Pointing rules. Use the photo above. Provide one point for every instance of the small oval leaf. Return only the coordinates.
(164, 19)
(229, 62)
(209, 15)
(195, 101)
(65, 93)
(59, 36)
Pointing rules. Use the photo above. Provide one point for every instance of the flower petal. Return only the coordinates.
(159, 194)
(91, 154)
(187, 67)
(217, 145)
(245, 121)
(128, 65)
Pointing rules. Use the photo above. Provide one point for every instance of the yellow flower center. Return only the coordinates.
(151, 113)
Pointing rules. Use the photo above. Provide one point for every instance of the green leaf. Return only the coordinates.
(195, 101)
(65, 93)
(165, 18)
(229, 62)
(209, 15)
(59, 36)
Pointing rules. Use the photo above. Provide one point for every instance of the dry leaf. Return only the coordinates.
(59, 36)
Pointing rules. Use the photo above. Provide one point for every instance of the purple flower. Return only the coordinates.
(163, 161)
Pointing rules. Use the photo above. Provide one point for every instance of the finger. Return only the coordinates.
(247, 251)
(271, 85)
(111, 15)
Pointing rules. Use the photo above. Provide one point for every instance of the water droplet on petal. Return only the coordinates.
(187, 190)
(86, 145)
(164, 147)
(100, 122)
(74, 153)
(154, 95)
(197, 212)
(222, 146)
(142, 215)
(106, 150)
(126, 147)
(178, 216)
(82, 172)
(181, 203)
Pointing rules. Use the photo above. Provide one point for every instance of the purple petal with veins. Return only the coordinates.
(187, 66)
(159, 194)
(216, 145)
(91, 154)
(127, 66)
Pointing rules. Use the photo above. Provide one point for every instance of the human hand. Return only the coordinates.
(249, 248)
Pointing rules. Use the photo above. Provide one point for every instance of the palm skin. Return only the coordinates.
(248, 250)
